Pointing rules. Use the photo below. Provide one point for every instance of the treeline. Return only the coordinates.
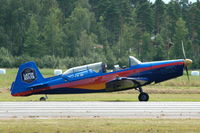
(67, 33)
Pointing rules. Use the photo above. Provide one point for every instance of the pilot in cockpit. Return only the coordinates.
(104, 67)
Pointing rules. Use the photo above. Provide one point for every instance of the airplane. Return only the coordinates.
(93, 78)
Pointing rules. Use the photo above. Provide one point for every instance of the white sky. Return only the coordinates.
(166, 1)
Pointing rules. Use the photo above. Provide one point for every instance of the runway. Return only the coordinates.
(99, 110)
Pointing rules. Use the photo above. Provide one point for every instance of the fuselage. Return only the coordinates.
(95, 82)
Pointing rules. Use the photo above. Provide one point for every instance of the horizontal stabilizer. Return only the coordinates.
(37, 85)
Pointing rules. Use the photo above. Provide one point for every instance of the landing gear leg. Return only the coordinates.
(142, 96)
(43, 98)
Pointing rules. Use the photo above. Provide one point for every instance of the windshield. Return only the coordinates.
(133, 61)
(97, 67)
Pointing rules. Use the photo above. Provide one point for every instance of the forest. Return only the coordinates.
(68, 33)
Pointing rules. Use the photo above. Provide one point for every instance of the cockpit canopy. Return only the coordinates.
(95, 67)
(133, 61)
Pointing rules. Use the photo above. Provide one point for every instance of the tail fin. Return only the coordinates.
(28, 74)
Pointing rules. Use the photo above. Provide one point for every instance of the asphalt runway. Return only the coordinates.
(99, 110)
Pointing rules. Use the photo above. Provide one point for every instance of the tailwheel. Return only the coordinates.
(43, 98)
(143, 96)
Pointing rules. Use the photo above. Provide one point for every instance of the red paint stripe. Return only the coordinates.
(104, 78)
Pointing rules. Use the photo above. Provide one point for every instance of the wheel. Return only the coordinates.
(42, 99)
(143, 96)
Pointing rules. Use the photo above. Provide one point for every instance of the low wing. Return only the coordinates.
(123, 83)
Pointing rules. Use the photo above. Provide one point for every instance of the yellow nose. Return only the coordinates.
(187, 62)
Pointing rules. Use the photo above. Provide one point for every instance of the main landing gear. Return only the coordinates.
(43, 98)
(142, 96)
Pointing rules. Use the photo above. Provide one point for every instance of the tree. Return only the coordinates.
(184, 8)
(80, 20)
(66, 6)
(146, 47)
(115, 14)
(159, 49)
(6, 58)
(110, 57)
(101, 31)
(194, 22)
(15, 26)
(173, 13)
(4, 38)
(159, 16)
(53, 33)
(181, 34)
(32, 45)
(126, 41)
(144, 16)
(86, 44)
(194, 32)
(83, 31)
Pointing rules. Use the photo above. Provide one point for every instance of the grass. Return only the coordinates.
(183, 82)
(179, 89)
(100, 125)
(104, 97)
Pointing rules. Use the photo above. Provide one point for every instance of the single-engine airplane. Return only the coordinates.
(93, 78)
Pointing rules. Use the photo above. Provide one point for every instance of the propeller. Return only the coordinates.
(183, 49)
(186, 61)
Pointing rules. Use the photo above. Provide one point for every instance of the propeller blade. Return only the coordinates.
(187, 61)
(183, 49)
(186, 69)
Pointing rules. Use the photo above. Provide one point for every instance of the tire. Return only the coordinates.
(42, 99)
(143, 97)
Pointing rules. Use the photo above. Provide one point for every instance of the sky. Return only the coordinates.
(166, 1)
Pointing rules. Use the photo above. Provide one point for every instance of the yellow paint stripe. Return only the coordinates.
(95, 86)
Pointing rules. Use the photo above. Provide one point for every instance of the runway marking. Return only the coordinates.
(99, 109)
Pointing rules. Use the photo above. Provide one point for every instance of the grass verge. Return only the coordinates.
(100, 125)
(105, 97)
